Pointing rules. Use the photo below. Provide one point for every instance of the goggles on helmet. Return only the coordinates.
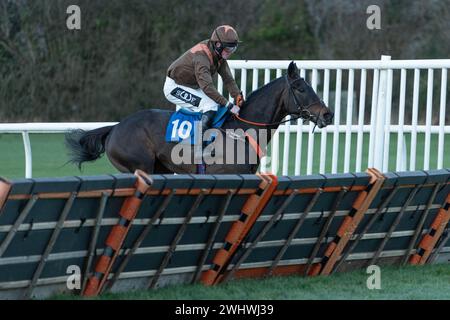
(229, 47)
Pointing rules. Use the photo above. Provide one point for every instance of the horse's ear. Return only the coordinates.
(293, 71)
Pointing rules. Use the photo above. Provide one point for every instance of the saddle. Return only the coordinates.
(182, 128)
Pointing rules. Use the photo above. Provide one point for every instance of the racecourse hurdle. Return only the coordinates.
(125, 231)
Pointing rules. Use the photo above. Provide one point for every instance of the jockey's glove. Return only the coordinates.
(234, 109)
(239, 100)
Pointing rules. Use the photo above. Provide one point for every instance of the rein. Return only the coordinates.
(303, 110)
(261, 124)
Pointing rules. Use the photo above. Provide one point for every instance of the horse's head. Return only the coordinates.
(303, 101)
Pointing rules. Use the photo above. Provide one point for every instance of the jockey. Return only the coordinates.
(189, 81)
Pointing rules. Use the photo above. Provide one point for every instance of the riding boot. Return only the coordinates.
(206, 120)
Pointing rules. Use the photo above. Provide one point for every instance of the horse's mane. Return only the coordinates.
(258, 92)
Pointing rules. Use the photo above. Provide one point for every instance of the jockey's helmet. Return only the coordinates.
(225, 40)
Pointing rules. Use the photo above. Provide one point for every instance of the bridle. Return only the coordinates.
(304, 112)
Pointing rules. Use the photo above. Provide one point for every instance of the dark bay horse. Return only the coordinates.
(138, 142)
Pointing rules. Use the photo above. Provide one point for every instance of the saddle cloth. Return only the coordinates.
(182, 124)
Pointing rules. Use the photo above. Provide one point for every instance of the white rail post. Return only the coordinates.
(28, 155)
(299, 139)
(323, 141)
(373, 115)
(380, 119)
(337, 121)
(429, 114)
(404, 163)
(310, 158)
(387, 124)
(286, 146)
(233, 73)
(348, 121)
(255, 79)
(265, 161)
(440, 158)
(414, 120)
(401, 144)
(244, 81)
(220, 84)
(361, 114)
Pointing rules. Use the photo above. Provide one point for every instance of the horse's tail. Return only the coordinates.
(86, 145)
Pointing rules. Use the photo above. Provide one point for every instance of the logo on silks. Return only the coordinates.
(186, 96)
(183, 126)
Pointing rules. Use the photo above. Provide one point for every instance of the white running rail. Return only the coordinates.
(395, 105)
(395, 90)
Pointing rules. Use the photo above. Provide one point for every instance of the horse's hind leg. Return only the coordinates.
(118, 166)
(144, 162)
(129, 151)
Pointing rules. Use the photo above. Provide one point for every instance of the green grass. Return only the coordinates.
(49, 158)
(410, 282)
(49, 155)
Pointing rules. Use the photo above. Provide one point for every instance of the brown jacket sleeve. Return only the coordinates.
(204, 79)
(228, 79)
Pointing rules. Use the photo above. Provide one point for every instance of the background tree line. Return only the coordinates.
(116, 64)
